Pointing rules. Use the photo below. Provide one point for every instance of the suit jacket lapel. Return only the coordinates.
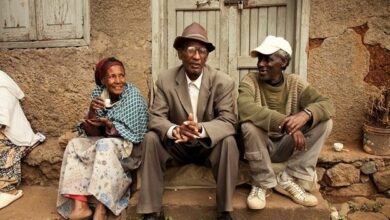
(204, 94)
(182, 91)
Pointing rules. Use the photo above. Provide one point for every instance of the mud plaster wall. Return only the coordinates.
(348, 57)
(57, 81)
(349, 53)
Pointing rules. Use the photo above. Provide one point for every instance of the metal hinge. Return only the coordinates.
(202, 3)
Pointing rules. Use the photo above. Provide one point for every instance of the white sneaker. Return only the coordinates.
(256, 198)
(295, 192)
(309, 186)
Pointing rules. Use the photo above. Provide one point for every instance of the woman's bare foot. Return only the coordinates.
(100, 212)
(80, 211)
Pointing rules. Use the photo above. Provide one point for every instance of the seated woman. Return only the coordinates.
(98, 165)
(16, 139)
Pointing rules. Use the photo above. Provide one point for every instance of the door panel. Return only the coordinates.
(60, 19)
(259, 19)
(212, 17)
(234, 32)
(17, 20)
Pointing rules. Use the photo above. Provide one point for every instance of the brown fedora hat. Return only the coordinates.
(196, 32)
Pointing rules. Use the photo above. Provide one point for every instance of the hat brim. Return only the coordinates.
(179, 41)
(263, 50)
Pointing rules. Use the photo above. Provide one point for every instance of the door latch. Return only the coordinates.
(239, 3)
(202, 3)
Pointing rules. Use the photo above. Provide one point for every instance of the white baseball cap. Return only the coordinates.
(270, 45)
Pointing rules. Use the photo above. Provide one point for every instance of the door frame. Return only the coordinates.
(159, 37)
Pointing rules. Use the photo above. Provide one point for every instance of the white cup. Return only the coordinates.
(338, 147)
(107, 103)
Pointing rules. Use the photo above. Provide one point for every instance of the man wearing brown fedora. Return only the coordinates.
(191, 121)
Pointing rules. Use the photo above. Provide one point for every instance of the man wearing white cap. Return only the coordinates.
(283, 119)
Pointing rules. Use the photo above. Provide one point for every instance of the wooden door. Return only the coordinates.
(60, 19)
(17, 20)
(212, 16)
(258, 19)
(233, 31)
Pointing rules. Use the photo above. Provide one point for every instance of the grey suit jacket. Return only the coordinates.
(215, 111)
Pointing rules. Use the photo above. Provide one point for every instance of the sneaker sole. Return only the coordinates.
(285, 193)
(254, 207)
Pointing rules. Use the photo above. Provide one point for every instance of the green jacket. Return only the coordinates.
(293, 96)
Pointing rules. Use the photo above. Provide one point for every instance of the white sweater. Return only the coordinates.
(17, 128)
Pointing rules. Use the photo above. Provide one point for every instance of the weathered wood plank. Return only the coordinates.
(253, 28)
(272, 16)
(281, 22)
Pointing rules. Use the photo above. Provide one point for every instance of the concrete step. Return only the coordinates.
(351, 153)
(39, 203)
(42, 166)
(199, 204)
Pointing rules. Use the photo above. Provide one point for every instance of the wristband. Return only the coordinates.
(308, 112)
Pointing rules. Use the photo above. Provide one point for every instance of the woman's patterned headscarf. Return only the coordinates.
(102, 66)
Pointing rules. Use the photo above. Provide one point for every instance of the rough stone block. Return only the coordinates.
(378, 31)
(367, 215)
(358, 189)
(364, 178)
(382, 180)
(342, 175)
(42, 166)
(380, 165)
(368, 167)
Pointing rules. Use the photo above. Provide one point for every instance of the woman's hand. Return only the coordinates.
(99, 127)
(98, 122)
(97, 104)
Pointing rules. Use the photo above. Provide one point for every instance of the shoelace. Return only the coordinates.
(296, 190)
(257, 192)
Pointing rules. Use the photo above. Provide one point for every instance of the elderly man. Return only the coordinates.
(190, 121)
(283, 119)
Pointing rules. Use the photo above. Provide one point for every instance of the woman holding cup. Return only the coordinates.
(97, 166)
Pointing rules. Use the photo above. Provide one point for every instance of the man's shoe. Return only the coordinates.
(309, 186)
(154, 216)
(295, 192)
(224, 216)
(256, 198)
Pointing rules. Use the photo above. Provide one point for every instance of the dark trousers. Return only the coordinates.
(222, 159)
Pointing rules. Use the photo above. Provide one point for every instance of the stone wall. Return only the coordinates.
(349, 57)
(57, 81)
(351, 173)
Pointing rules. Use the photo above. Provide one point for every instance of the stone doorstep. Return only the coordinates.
(350, 154)
(196, 204)
(39, 203)
(42, 166)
